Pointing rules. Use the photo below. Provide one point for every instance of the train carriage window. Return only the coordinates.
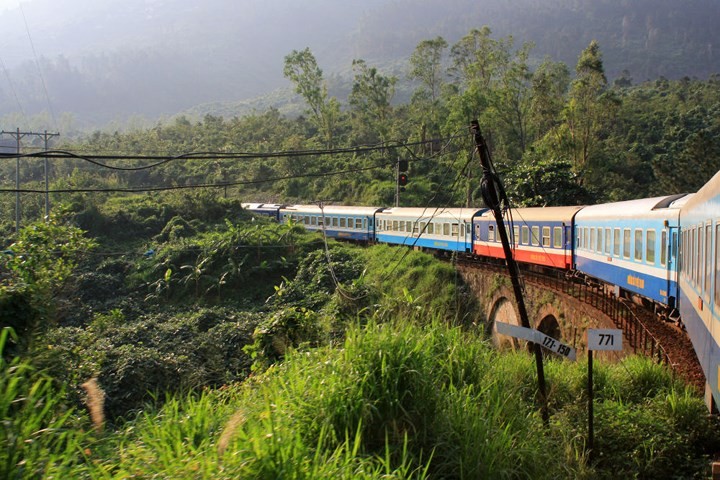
(334, 221)
(578, 241)
(696, 254)
(639, 240)
(586, 238)
(415, 228)
(545, 236)
(525, 235)
(359, 223)
(700, 259)
(431, 228)
(408, 226)
(688, 258)
(535, 237)
(313, 220)
(683, 254)
(693, 256)
(343, 222)
(423, 227)
(650, 247)
(462, 230)
(663, 248)
(708, 260)
(627, 237)
(516, 234)
(598, 246)
(455, 229)
(608, 240)
(591, 246)
(717, 264)
(557, 237)
(491, 233)
(446, 229)
(321, 221)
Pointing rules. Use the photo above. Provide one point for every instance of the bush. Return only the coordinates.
(38, 432)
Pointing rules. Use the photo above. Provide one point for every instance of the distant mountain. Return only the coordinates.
(115, 59)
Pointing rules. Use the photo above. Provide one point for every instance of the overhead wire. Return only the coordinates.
(406, 252)
(37, 64)
(192, 186)
(12, 88)
(162, 160)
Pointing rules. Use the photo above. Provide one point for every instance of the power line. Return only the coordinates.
(12, 87)
(194, 186)
(37, 63)
(210, 155)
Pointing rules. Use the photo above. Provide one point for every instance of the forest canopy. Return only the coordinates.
(559, 135)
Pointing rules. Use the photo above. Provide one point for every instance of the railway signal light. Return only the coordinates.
(402, 165)
(402, 179)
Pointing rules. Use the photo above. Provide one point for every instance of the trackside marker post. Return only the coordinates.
(536, 336)
(606, 339)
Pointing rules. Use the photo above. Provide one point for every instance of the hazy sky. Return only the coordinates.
(5, 4)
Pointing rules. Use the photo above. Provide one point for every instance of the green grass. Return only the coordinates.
(38, 433)
(394, 400)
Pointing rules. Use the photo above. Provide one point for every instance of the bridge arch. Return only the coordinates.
(502, 308)
(548, 321)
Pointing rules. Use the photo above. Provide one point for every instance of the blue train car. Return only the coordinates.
(632, 245)
(699, 280)
(271, 210)
(542, 236)
(435, 228)
(347, 223)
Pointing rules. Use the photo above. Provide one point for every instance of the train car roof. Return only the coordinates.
(331, 209)
(465, 214)
(704, 196)
(538, 214)
(654, 207)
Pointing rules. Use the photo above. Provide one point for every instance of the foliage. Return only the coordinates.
(138, 360)
(34, 269)
(38, 432)
(402, 401)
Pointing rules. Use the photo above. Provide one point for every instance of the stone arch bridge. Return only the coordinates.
(559, 307)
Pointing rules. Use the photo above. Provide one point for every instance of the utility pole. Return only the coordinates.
(18, 135)
(490, 185)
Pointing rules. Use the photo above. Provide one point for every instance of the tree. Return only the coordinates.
(370, 99)
(550, 83)
(426, 66)
(541, 180)
(589, 108)
(302, 69)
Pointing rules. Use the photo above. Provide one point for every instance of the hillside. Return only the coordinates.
(115, 60)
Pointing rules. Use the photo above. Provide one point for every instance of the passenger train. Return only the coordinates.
(662, 251)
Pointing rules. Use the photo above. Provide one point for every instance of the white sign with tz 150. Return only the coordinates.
(538, 337)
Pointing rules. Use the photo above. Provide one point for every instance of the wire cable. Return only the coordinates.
(12, 87)
(37, 63)
(193, 186)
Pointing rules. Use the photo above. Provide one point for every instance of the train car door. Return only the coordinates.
(670, 245)
(468, 236)
(567, 245)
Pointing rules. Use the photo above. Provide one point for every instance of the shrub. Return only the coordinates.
(38, 432)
